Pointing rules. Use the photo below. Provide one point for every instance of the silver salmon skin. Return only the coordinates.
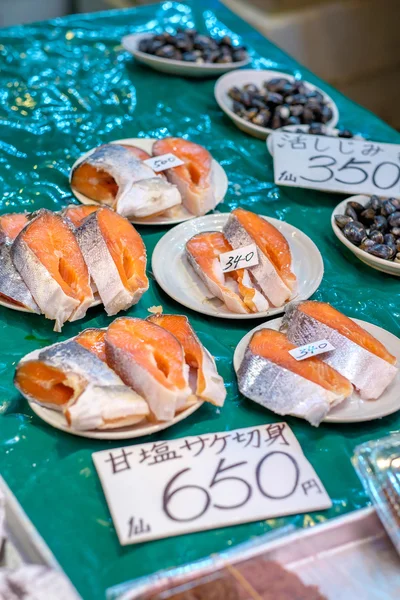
(357, 355)
(270, 376)
(12, 286)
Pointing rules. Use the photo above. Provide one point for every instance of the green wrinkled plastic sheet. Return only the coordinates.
(66, 86)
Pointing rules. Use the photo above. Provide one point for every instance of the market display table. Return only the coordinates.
(67, 86)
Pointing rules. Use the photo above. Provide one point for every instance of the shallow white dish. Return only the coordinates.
(329, 132)
(387, 266)
(174, 215)
(56, 419)
(244, 76)
(176, 67)
(177, 278)
(352, 410)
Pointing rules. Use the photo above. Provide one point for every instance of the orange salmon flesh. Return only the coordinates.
(325, 313)
(150, 346)
(54, 244)
(197, 160)
(270, 241)
(12, 224)
(126, 248)
(180, 327)
(94, 341)
(274, 346)
(77, 214)
(45, 384)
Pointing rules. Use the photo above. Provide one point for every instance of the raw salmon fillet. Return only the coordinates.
(273, 274)
(116, 257)
(68, 377)
(194, 177)
(78, 213)
(114, 175)
(152, 361)
(270, 376)
(206, 383)
(235, 288)
(358, 355)
(93, 340)
(11, 225)
(48, 258)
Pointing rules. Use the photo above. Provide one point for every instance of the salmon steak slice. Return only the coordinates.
(94, 341)
(150, 360)
(205, 381)
(11, 225)
(69, 378)
(77, 213)
(194, 178)
(270, 376)
(235, 288)
(47, 256)
(358, 355)
(273, 273)
(116, 258)
(114, 175)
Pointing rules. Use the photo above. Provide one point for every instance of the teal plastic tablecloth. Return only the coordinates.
(66, 86)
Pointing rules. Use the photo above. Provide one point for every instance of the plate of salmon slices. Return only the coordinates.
(134, 378)
(356, 381)
(117, 175)
(60, 264)
(186, 264)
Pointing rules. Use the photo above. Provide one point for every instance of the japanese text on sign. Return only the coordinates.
(313, 349)
(336, 164)
(163, 162)
(203, 482)
(241, 258)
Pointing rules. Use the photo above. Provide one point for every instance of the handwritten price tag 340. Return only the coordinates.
(336, 164)
(313, 349)
(163, 162)
(169, 488)
(241, 258)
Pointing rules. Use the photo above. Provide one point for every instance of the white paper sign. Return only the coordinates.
(336, 164)
(313, 349)
(241, 258)
(169, 488)
(163, 162)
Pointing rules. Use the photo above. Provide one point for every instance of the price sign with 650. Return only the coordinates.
(170, 488)
(336, 164)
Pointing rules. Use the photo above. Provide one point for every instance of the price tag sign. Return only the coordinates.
(313, 349)
(241, 258)
(163, 162)
(169, 488)
(336, 164)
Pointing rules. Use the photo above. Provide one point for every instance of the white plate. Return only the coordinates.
(329, 131)
(352, 410)
(258, 77)
(56, 419)
(387, 266)
(176, 67)
(177, 278)
(174, 215)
